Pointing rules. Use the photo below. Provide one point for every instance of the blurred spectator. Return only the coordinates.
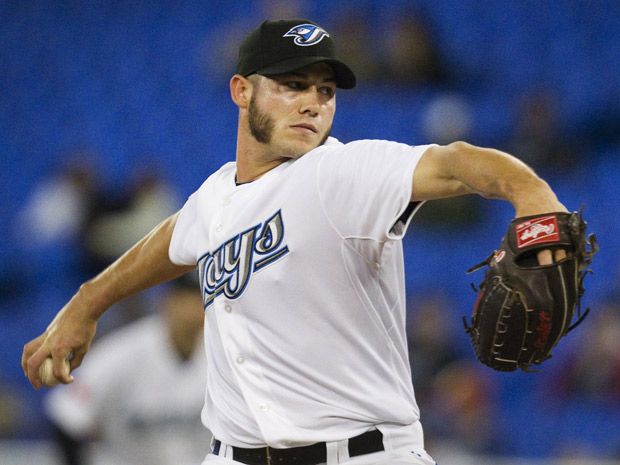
(593, 371)
(139, 404)
(580, 395)
(221, 45)
(411, 56)
(456, 396)
(283, 9)
(10, 410)
(53, 221)
(219, 49)
(354, 29)
(603, 127)
(460, 414)
(448, 118)
(431, 336)
(58, 208)
(149, 201)
(539, 139)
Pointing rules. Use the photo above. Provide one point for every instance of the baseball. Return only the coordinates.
(47, 372)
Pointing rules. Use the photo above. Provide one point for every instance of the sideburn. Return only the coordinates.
(261, 125)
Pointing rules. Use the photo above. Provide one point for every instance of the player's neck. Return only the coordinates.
(248, 171)
(254, 160)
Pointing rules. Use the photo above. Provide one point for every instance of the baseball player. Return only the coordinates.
(140, 402)
(298, 245)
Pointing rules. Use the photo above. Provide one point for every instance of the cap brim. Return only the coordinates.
(345, 78)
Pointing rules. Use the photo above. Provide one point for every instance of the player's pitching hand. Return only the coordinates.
(67, 338)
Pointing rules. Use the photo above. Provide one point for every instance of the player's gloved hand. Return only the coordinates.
(531, 290)
(68, 336)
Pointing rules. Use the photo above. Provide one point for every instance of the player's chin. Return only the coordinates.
(299, 148)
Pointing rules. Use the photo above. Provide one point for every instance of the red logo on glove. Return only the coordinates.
(543, 329)
(537, 231)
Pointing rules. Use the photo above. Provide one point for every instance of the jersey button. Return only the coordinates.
(219, 228)
(263, 407)
(240, 359)
(228, 308)
(226, 201)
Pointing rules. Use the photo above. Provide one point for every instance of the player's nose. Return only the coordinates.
(310, 101)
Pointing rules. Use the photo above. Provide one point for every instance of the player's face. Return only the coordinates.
(293, 112)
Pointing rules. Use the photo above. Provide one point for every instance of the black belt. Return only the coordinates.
(366, 443)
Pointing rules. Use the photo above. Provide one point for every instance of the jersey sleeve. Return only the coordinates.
(365, 187)
(181, 250)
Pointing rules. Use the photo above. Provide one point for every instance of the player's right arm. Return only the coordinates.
(461, 168)
(73, 328)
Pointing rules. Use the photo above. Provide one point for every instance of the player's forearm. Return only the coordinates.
(495, 174)
(143, 266)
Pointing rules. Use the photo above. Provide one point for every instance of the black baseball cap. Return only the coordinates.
(282, 46)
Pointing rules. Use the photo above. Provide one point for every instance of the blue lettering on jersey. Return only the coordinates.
(228, 269)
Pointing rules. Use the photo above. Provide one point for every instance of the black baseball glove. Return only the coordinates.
(523, 309)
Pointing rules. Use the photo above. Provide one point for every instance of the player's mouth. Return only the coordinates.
(305, 127)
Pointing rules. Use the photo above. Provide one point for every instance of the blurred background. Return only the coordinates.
(113, 112)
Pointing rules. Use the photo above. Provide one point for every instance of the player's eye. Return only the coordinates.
(295, 85)
(328, 91)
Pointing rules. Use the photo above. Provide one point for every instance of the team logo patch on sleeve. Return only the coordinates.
(537, 231)
(306, 34)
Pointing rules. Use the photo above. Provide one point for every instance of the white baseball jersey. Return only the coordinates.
(303, 284)
(141, 399)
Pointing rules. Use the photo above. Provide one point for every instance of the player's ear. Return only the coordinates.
(241, 90)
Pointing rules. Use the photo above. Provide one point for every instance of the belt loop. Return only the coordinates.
(215, 446)
(331, 453)
(343, 451)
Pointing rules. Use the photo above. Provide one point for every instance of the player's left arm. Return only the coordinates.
(70, 333)
(461, 168)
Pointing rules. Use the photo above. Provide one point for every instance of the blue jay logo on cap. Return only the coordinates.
(307, 34)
